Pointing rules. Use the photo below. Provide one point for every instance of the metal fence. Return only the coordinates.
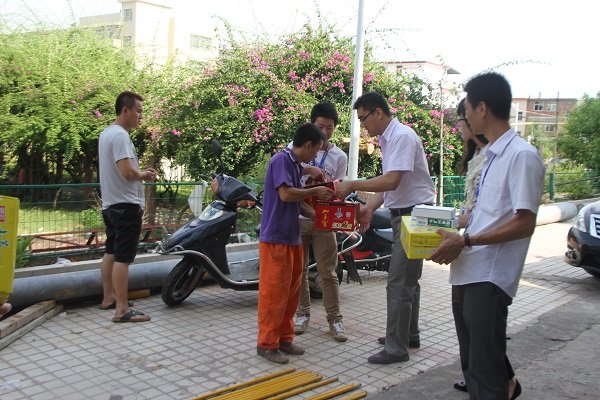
(67, 219)
(572, 185)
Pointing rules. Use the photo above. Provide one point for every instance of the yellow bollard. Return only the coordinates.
(9, 221)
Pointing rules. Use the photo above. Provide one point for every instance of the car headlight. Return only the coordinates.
(580, 222)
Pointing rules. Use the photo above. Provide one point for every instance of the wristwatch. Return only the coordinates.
(467, 241)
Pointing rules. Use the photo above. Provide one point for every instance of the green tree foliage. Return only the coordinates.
(581, 142)
(57, 90)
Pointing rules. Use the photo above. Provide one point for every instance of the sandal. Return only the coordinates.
(132, 316)
(461, 386)
(113, 305)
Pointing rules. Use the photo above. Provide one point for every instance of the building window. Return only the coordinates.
(127, 14)
(538, 106)
(520, 116)
(551, 107)
(549, 127)
(198, 42)
(126, 41)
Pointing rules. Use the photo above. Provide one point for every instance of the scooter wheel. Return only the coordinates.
(181, 281)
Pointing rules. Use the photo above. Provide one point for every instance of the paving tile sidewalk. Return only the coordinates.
(210, 340)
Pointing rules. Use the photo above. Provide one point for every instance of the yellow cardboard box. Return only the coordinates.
(9, 218)
(419, 241)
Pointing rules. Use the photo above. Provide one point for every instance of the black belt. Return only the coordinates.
(397, 212)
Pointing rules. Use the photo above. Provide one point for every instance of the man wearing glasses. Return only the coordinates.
(405, 182)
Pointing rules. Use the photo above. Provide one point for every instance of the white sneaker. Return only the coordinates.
(301, 324)
(337, 331)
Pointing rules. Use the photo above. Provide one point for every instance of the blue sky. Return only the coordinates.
(544, 48)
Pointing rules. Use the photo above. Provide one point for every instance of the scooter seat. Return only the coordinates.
(381, 219)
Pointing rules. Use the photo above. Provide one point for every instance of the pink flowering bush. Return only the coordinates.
(254, 96)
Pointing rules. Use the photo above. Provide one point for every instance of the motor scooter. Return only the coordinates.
(202, 243)
(372, 253)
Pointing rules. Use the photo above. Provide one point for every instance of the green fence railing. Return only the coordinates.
(68, 217)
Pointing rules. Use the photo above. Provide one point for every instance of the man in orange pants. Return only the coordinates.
(281, 253)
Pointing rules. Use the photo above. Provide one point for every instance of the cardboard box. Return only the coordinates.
(439, 222)
(312, 201)
(434, 212)
(420, 241)
(336, 215)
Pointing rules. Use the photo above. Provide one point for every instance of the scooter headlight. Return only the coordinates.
(210, 213)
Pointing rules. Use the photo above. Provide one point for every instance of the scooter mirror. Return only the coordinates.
(216, 147)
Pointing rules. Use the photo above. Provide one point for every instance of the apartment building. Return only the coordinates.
(156, 32)
(434, 73)
(541, 116)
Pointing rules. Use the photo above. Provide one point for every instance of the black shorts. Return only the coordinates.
(123, 227)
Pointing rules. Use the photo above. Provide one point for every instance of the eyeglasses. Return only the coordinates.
(364, 118)
(465, 121)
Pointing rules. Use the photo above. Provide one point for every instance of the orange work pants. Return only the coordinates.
(278, 292)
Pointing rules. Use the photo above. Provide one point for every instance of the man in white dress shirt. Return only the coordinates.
(487, 260)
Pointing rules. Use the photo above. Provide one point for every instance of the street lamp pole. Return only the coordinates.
(441, 178)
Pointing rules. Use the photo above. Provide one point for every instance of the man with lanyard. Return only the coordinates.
(280, 249)
(331, 162)
(405, 183)
(487, 260)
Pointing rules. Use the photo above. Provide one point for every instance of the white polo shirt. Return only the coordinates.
(511, 179)
(402, 150)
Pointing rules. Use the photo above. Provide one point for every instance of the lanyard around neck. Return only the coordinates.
(482, 180)
(321, 163)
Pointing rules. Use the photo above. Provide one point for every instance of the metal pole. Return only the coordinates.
(441, 188)
(555, 155)
(359, 55)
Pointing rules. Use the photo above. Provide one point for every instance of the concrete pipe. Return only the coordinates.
(82, 284)
(550, 213)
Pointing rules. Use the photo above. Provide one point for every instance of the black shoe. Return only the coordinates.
(383, 357)
(461, 386)
(517, 391)
(412, 344)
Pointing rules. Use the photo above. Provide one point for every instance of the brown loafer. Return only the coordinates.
(272, 355)
(291, 348)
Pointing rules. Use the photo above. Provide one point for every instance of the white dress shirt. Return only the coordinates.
(402, 150)
(512, 179)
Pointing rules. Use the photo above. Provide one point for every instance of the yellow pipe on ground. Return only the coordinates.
(244, 384)
(271, 387)
(303, 389)
(355, 396)
(335, 392)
